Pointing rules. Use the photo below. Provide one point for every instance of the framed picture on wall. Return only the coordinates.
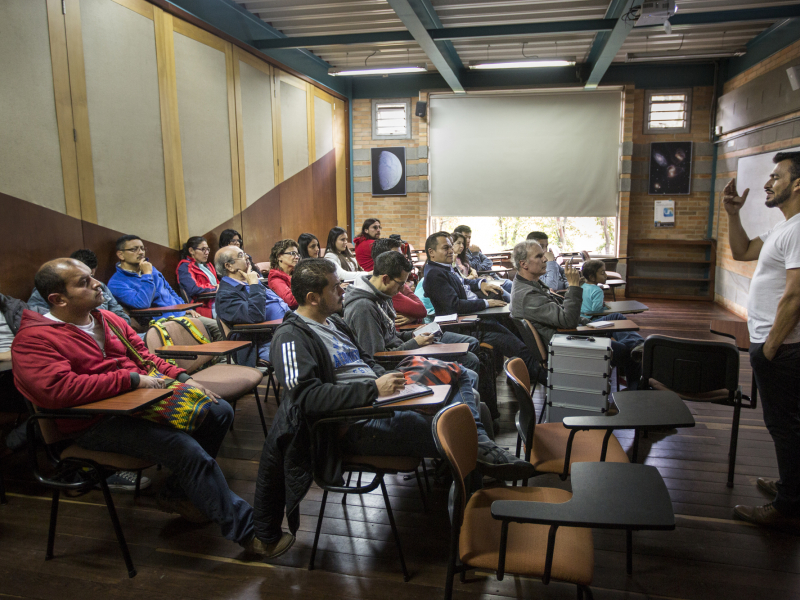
(389, 171)
(670, 168)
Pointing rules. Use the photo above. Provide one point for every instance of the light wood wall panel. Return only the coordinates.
(30, 153)
(122, 96)
(202, 84)
(294, 126)
(257, 130)
(323, 126)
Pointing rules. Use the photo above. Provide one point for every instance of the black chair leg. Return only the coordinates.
(421, 490)
(737, 409)
(319, 528)
(51, 534)
(585, 589)
(138, 485)
(260, 411)
(519, 445)
(126, 555)
(394, 528)
(3, 499)
(425, 473)
(344, 496)
(629, 551)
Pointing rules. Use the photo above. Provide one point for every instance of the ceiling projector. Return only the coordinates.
(656, 12)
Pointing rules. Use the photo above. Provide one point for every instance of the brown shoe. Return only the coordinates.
(768, 486)
(274, 550)
(766, 515)
(184, 508)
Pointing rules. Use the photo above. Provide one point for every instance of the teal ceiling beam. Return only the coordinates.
(613, 12)
(427, 15)
(768, 13)
(767, 43)
(611, 45)
(411, 20)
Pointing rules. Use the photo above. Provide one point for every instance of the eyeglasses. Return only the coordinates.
(398, 281)
(236, 243)
(292, 253)
(205, 250)
(135, 249)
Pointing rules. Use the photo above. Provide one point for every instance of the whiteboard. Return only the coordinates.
(753, 172)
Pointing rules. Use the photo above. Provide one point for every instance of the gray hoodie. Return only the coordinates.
(370, 315)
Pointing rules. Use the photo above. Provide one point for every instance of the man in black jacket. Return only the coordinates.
(322, 370)
(448, 294)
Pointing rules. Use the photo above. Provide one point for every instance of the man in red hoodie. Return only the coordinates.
(70, 356)
(370, 231)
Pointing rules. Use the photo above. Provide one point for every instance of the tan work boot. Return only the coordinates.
(766, 516)
(768, 486)
(274, 550)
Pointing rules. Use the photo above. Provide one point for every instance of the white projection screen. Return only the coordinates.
(544, 154)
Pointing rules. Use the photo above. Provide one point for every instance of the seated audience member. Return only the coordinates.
(554, 278)
(322, 370)
(548, 312)
(231, 237)
(283, 259)
(339, 254)
(460, 262)
(138, 284)
(408, 307)
(447, 293)
(370, 314)
(196, 275)
(477, 260)
(309, 245)
(370, 231)
(242, 299)
(11, 309)
(419, 292)
(71, 356)
(87, 257)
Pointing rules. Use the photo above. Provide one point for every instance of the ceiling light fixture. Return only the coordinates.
(655, 56)
(522, 64)
(378, 70)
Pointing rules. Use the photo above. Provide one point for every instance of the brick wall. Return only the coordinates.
(406, 215)
(734, 275)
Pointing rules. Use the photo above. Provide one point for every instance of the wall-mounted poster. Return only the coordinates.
(670, 168)
(665, 213)
(389, 171)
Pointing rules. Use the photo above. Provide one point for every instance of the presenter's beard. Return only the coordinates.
(779, 199)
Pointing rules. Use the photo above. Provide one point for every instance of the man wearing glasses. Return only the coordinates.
(138, 284)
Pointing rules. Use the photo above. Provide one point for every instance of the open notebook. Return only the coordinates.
(413, 390)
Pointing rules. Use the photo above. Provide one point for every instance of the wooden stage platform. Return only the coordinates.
(709, 556)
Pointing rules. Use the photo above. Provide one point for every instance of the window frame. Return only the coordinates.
(397, 136)
(648, 103)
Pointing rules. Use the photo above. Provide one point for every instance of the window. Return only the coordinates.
(668, 111)
(391, 119)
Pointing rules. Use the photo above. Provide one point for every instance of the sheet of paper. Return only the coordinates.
(446, 318)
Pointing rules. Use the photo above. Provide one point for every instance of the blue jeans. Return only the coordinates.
(409, 433)
(469, 360)
(622, 342)
(263, 350)
(195, 473)
(778, 382)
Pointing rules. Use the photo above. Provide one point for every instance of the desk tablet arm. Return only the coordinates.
(210, 349)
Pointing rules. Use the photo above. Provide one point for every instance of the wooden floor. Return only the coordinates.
(708, 556)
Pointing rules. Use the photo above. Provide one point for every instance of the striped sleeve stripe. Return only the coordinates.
(289, 364)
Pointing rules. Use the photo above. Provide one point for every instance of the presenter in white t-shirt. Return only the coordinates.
(773, 321)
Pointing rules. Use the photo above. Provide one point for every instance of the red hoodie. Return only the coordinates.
(281, 283)
(364, 252)
(56, 365)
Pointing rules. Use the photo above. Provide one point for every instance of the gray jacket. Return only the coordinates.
(370, 315)
(547, 312)
(37, 303)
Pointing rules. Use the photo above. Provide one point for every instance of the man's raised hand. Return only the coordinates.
(732, 202)
(573, 275)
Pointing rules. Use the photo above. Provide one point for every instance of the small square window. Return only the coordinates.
(667, 111)
(391, 119)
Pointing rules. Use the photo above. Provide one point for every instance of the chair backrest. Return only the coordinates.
(50, 433)
(690, 366)
(224, 327)
(263, 266)
(456, 439)
(180, 337)
(517, 374)
(611, 263)
(531, 338)
(585, 255)
(184, 295)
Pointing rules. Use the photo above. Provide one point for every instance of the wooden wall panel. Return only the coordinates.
(28, 245)
(297, 204)
(212, 237)
(261, 224)
(324, 180)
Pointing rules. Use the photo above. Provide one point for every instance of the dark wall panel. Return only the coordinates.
(261, 224)
(324, 177)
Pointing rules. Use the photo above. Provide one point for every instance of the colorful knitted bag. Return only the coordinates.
(185, 409)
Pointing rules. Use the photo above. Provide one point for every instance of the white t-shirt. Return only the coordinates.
(94, 329)
(781, 251)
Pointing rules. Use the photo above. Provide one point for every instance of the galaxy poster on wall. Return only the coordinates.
(670, 168)
(389, 171)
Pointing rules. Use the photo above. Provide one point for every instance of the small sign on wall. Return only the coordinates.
(665, 213)
(388, 171)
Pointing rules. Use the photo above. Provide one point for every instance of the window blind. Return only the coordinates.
(553, 154)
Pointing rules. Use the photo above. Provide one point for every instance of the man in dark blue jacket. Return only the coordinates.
(449, 295)
(241, 298)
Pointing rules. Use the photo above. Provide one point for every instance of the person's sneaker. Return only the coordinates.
(766, 515)
(637, 351)
(500, 464)
(184, 508)
(274, 550)
(769, 486)
(125, 481)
